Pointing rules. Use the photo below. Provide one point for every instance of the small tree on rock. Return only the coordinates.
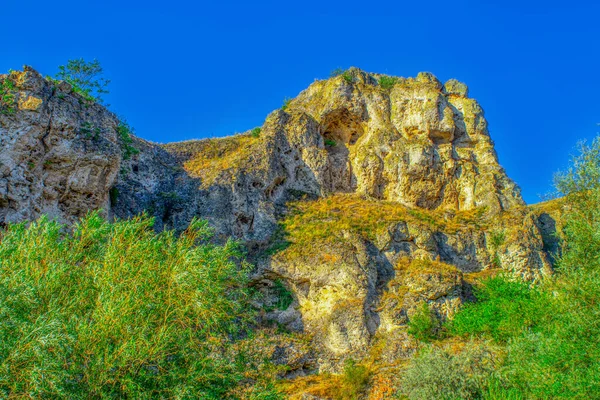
(85, 77)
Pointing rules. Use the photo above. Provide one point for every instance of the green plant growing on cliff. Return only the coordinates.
(283, 294)
(423, 324)
(344, 73)
(124, 132)
(354, 380)
(114, 310)
(387, 82)
(330, 142)
(8, 104)
(286, 103)
(255, 132)
(85, 77)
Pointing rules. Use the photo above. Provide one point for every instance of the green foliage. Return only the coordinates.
(388, 82)
(124, 132)
(354, 380)
(284, 296)
(497, 238)
(423, 324)
(85, 77)
(286, 103)
(330, 142)
(439, 374)
(114, 310)
(348, 78)
(8, 103)
(503, 309)
(345, 74)
(255, 132)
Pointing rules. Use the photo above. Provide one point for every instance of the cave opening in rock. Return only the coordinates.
(340, 133)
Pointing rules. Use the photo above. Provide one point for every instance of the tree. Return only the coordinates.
(85, 77)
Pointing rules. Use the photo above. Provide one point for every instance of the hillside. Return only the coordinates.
(359, 202)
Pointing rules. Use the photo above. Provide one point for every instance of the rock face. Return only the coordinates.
(364, 200)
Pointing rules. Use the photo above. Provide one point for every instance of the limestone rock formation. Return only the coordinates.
(364, 199)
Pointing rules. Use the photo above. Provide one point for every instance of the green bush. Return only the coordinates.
(423, 324)
(354, 380)
(284, 296)
(85, 77)
(504, 308)
(387, 82)
(124, 133)
(347, 76)
(438, 374)
(330, 142)
(8, 102)
(286, 103)
(255, 132)
(114, 310)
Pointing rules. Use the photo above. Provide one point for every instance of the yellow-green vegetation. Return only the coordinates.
(388, 82)
(312, 223)
(350, 385)
(286, 103)
(114, 310)
(8, 102)
(208, 158)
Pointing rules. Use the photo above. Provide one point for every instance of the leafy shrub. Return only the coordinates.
(504, 308)
(439, 374)
(497, 238)
(255, 132)
(354, 380)
(284, 296)
(124, 133)
(7, 96)
(113, 310)
(330, 142)
(85, 77)
(387, 82)
(423, 324)
(286, 103)
(347, 76)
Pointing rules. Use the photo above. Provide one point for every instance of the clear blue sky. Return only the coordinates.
(194, 69)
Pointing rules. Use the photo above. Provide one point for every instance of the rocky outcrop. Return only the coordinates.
(363, 200)
(59, 155)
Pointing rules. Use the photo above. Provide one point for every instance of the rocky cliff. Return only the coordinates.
(364, 197)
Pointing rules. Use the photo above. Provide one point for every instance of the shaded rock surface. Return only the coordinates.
(397, 198)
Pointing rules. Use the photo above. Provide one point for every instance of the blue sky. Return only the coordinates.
(194, 69)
